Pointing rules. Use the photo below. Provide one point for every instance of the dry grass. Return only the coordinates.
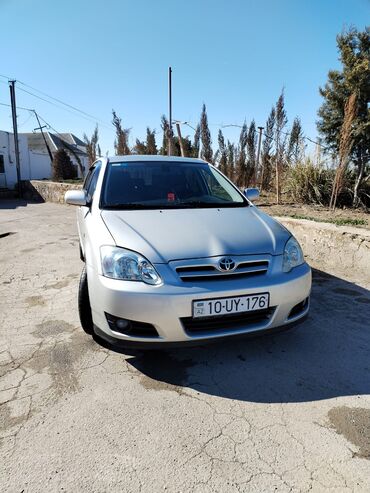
(345, 146)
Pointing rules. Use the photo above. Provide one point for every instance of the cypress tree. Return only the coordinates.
(295, 147)
(151, 146)
(92, 146)
(230, 160)
(222, 154)
(251, 147)
(241, 164)
(205, 135)
(63, 168)
(122, 135)
(140, 147)
(280, 143)
(166, 132)
(188, 147)
(267, 150)
(196, 143)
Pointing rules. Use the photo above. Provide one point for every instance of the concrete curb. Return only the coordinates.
(47, 191)
(332, 245)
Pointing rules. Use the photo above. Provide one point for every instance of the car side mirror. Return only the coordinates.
(75, 197)
(252, 193)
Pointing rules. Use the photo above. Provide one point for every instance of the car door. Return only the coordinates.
(84, 211)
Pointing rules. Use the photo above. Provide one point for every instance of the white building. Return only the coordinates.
(35, 163)
(8, 169)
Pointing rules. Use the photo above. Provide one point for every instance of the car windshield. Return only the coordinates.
(167, 185)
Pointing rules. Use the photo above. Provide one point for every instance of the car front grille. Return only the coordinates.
(210, 272)
(194, 326)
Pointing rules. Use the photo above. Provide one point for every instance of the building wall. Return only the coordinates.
(7, 150)
(40, 165)
(34, 164)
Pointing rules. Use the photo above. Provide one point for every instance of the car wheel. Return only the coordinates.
(84, 308)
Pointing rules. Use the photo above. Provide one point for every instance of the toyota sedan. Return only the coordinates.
(175, 254)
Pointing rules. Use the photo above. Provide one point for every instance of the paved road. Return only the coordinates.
(283, 413)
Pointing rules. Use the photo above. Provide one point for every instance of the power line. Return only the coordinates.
(26, 120)
(325, 148)
(83, 114)
(18, 107)
(49, 126)
(222, 125)
(59, 107)
(63, 103)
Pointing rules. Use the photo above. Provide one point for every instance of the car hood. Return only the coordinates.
(165, 235)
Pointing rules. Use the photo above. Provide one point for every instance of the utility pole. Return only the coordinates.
(178, 123)
(258, 153)
(40, 127)
(15, 133)
(170, 111)
(180, 139)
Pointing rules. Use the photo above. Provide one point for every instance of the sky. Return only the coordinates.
(233, 55)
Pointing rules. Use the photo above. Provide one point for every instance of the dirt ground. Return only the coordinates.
(287, 413)
(353, 217)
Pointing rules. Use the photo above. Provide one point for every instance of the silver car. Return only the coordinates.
(175, 254)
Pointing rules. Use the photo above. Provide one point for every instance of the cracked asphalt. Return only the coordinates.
(284, 413)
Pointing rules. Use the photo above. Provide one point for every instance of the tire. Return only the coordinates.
(84, 308)
(81, 255)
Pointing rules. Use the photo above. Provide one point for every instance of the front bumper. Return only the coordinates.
(164, 306)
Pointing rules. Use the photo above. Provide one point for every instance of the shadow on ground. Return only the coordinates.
(327, 356)
(13, 203)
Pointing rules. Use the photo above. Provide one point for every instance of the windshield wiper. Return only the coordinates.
(128, 206)
(192, 204)
(202, 204)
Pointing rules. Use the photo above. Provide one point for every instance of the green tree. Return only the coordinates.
(148, 147)
(353, 78)
(188, 146)
(267, 151)
(280, 143)
(295, 148)
(63, 168)
(241, 158)
(140, 147)
(166, 132)
(151, 145)
(205, 134)
(222, 153)
(196, 142)
(231, 152)
(92, 146)
(164, 126)
(122, 135)
(251, 149)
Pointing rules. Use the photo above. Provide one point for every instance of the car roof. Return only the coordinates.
(144, 157)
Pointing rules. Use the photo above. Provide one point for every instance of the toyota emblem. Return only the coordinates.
(226, 264)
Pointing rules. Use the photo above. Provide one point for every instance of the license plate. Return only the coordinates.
(227, 306)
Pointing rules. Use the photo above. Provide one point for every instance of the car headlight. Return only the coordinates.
(293, 255)
(119, 263)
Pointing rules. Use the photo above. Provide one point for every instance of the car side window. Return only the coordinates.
(91, 181)
(88, 179)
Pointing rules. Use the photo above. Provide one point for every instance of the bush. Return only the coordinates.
(63, 168)
(309, 183)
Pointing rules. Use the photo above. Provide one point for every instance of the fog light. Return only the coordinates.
(121, 323)
(132, 328)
